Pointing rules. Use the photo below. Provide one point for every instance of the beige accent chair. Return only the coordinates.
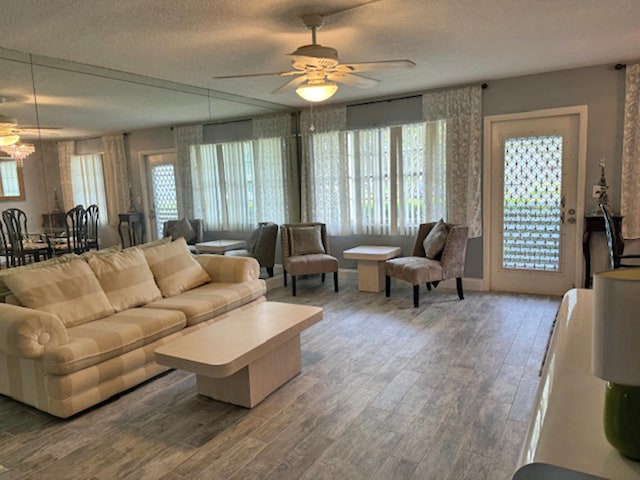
(261, 245)
(198, 227)
(296, 263)
(419, 269)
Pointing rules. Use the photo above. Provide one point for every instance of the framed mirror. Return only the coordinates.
(11, 179)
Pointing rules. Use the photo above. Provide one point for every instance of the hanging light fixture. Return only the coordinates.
(317, 90)
(19, 151)
(6, 140)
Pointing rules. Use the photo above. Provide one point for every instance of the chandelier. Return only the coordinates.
(19, 151)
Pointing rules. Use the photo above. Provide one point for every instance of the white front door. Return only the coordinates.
(534, 204)
(161, 188)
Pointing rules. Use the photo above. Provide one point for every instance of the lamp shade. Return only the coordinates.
(317, 91)
(616, 326)
(6, 140)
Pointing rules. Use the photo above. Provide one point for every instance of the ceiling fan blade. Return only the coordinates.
(290, 85)
(36, 127)
(354, 80)
(359, 5)
(282, 74)
(375, 66)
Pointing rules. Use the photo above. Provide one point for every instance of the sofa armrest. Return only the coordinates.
(29, 333)
(229, 269)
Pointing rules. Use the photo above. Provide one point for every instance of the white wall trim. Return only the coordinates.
(489, 121)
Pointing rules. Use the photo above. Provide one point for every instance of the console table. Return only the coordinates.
(565, 438)
(133, 222)
(594, 223)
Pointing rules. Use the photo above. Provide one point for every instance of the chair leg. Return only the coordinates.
(284, 272)
(323, 278)
(416, 295)
(387, 285)
(459, 286)
(270, 271)
(435, 284)
(335, 281)
(293, 284)
(429, 286)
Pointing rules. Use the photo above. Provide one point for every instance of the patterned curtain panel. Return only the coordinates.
(462, 110)
(65, 150)
(276, 169)
(630, 181)
(183, 139)
(116, 177)
(323, 135)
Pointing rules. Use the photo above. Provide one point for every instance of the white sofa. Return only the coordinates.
(63, 367)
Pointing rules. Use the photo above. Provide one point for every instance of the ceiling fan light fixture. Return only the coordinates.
(317, 91)
(6, 140)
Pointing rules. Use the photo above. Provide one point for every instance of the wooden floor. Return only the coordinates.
(387, 391)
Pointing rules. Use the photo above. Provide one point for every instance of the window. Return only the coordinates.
(238, 184)
(87, 183)
(381, 181)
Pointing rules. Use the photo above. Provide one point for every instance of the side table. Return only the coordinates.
(594, 223)
(371, 265)
(219, 246)
(134, 224)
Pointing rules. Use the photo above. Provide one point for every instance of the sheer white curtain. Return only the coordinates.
(275, 169)
(116, 177)
(630, 180)
(87, 180)
(183, 138)
(205, 178)
(324, 172)
(461, 110)
(65, 150)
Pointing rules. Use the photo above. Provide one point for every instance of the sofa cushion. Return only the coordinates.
(306, 240)
(212, 299)
(69, 290)
(125, 278)
(100, 340)
(435, 240)
(4, 290)
(174, 268)
(182, 229)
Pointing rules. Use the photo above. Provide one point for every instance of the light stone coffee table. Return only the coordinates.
(219, 246)
(246, 356)
(371, 265)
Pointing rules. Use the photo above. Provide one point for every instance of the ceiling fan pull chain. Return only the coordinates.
(312, 127)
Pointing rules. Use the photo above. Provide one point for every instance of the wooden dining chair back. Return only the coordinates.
(615, 242)
(6, 246)
(93, 216)
(15, 221)
(76, 230)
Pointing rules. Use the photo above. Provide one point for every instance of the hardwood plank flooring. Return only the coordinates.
(443, 391)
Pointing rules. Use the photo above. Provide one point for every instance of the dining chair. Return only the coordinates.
(6, 246)
(22, 248)
(93, 215)
(76, 230)
(615, 242)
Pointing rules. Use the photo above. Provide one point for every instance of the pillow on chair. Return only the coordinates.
(434, 241)
(182, 228)
(306, 240)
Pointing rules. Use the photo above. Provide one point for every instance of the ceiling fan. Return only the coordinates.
(10, 131)
(317, 69)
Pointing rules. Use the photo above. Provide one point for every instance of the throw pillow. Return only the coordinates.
(306, 240)
(69, 290)
(125, 278)
(434, 241)
(182, 229)
(174, 268)
(152, 243)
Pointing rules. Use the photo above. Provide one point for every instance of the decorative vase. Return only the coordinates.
(622, 419)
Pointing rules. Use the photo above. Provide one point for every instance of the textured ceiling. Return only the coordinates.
(189, 42)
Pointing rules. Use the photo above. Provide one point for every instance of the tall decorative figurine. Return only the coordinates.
(603, 196)
(56, 202)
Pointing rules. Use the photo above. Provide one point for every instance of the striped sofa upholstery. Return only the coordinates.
(63, 369)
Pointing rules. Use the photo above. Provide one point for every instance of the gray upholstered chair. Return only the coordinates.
(419, 269)
(261, 245)
(305, 251)
(198, 228)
